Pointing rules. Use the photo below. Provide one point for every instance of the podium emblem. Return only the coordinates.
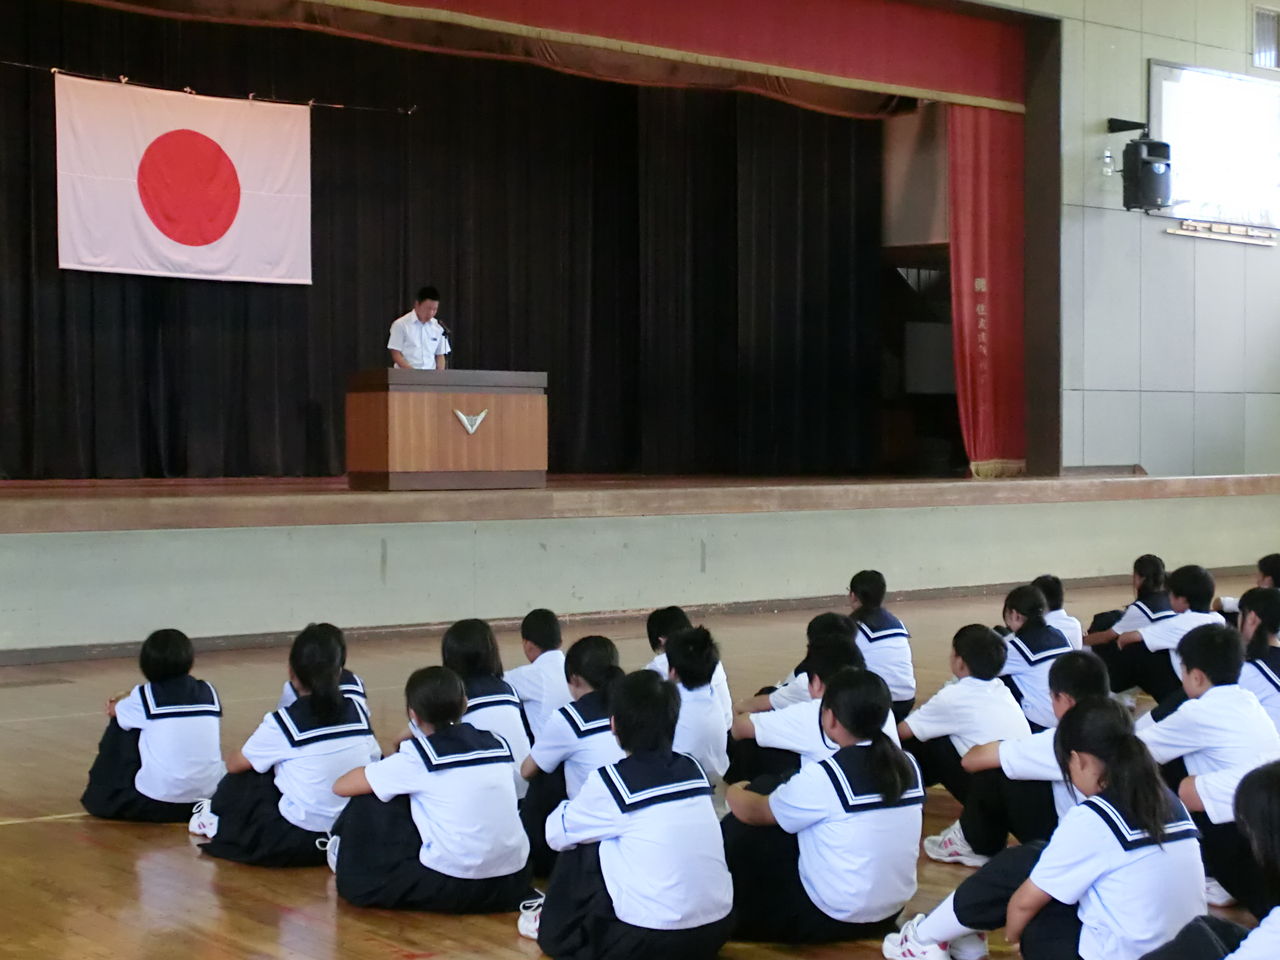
(471, 424)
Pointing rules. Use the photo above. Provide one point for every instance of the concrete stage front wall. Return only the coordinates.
(109, 587)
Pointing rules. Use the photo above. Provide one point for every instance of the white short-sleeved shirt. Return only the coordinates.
(1223, 728)
(1217, 792)
(179, 721)
(650, 812)
(463, 800)
(542, 688)
(1131, 894)
(1165, 634)
(700, 730)
(1031, 652)
(794, 689)
(1033, 758)
(1068, 626)
(798, 728)
(719, 686)
(493, 705)
(419, 342)
(349, 685)
(579, 736)
(308, 756)
(857, 852)
(1261, 677)
(1263, 942)
(1148, 609)
(886, 648)
(970, 712)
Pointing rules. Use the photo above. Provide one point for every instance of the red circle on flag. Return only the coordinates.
(189, 187)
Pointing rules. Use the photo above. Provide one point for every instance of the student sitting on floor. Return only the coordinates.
(1120, 876)
(693, 658)
(1257, 811)
(977, 709)
(1268, 578)
(1259, 611)
(160, 752)
(883, 640)
(1017, 787)
(348, 683)
(666, 622)
(1151, 603)
(830, 855)
(540, 683)
(1054, 615)
(1033, 646)
(794, 688)
(277, 798)
(434, 825)
(641, 871)
(470, 650)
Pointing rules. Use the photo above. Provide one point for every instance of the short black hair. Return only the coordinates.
(1214, 649)
(869, 587)
(1051, 587)
(166, 654)
(470, 650)
(1269, 566)
(663, 623)
(1193, 584)
(694, 656)
(427, 293)
(982, 650)
(1079, 675)
(541, 628)
(645, 710)
(1028, 601)
(830, 624)
(829, 653)
(436, 696)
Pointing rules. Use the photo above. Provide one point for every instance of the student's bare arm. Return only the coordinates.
(985, 756)
(238, 763)
(1128, 638)
(353, 783)
(529, 769)
(1027, 901)
(743, 728)
(1190, 796)
(905, 732)
(757, 704)
(750, 808)
(1099, 638)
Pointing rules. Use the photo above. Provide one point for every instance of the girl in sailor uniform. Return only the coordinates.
(348, 682)
(831, 854)
(471, 651)
(883, 639)
(1260, 623)
(160, 752)
(434, 825)
(1033, 646)
(277, 799)
(641, 871)
(1120, 876)
(1151, 604)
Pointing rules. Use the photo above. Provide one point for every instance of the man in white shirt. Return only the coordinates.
(1055, 616)
(418, 340)
(541, 683)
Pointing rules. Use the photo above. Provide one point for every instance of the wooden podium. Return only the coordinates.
(446, 430)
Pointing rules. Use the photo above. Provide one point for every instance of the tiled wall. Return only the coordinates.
(1170, 345)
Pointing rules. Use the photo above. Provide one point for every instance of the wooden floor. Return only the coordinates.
(77, 888)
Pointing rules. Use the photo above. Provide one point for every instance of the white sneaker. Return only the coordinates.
(950, 846)
(530, 918)
(972, 946)
(204, 822)
(1216, 894)
(904, 944)
(1129, 699)
(330, 847)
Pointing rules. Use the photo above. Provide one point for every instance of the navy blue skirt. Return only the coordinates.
(111, 793)
(252, 830)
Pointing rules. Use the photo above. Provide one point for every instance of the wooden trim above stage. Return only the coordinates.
(159, 505)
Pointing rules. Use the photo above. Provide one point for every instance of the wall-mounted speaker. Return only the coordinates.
(1148, 175)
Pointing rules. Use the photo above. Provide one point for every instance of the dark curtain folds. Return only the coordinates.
(695, 270)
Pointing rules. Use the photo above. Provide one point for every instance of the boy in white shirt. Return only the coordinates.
(540, 684)
(693, 657)
(667, 622)
(1055, 616)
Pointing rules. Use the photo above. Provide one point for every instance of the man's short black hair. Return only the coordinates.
(830, 624)
(982, 650)
(1194, 585)
(1079, 675)
(166, 654)
(663, 623)
(693, 655)
(427, 293)
(1051, 587)
(869, 587)
(541, 628)
(1215, 649)
(1269, 566)
(645, 710)
(830, 653)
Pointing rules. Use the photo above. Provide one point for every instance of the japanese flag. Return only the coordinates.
(176, 185)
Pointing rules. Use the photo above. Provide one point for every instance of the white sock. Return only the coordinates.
(941, 925)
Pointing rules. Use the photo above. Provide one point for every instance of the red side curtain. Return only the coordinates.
(986, 158)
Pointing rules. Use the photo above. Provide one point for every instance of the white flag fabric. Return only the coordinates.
(177, 185)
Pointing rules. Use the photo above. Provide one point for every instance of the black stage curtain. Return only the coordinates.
(696, 270)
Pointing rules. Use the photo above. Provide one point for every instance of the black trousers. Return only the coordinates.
(939, 763)
(546, 791)
(1136, 666)
(1229, 859)
(251, 829)
(998, 806)
(769, 900)
(111, 793)
(1204, 938)
(378, 866)
(578, 922)
(901, 708)
(748, 760)
(982, 902)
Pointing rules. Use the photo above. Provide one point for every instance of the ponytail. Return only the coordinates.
(594, 660)
(1028, 601)
(316, 661)
(1264, 603)
(860, 702)
(1150, 569)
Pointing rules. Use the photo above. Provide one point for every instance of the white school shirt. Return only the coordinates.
(542, 688)
(794, 689)
(493, 705)
(1068, 626)
(308, 757)
(700, 730)
(1131, 894)
(349, 685)
(719, 685)
(577, 735)
(661, 850)
(1262, 678)
(463, 800)
(857, 853)
(1165, 634)
(1031, 652)
(798, 729)
(419, 342)
(1033, 758)
(179, 722)
(1224, 727)
(1263, 942)
(886, 647)
(970, 712)
(1217, 792)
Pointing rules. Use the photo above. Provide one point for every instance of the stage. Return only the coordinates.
(90, 567)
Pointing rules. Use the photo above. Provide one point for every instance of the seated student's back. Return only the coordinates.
(1033, 646)
(349, 684)
(540, 683)
(1055, 615)
(693, 656)
(667, 622)
(1259, 611)
(882, 637)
